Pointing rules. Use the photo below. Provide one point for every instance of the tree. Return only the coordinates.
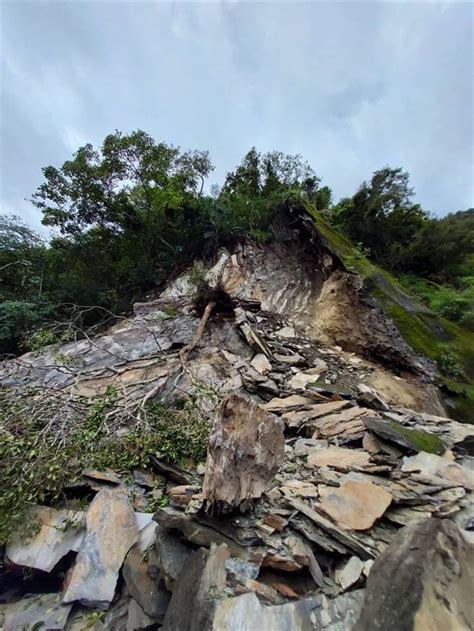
(381, 215)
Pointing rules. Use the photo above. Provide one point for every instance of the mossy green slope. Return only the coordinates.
(449, 345)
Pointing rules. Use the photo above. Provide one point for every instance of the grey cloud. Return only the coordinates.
(350, 86)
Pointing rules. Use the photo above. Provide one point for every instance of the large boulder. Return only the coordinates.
(245, 450)
(423, 581)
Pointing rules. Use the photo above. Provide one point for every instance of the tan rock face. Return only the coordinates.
(356, 505)
(244, 453)
(294, 402)
(111, 532)
(338, 457)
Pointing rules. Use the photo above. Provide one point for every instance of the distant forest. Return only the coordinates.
(132, 213)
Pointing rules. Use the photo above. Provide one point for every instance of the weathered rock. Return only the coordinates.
(338, 457)
(61, 531)
(142, 587)
(296, 419)
(423, 580)
(371, 398)
(287, 333)
(355, 504)
(261, 364)
(294, 402)
(172, 471)
(298, 487)
(301, 380)
(182, 494)
(194, 531)
(111, 532)
(413, 439)
(193, 601)
(432, 465)
(245, 450)
(137, 618)
(246, 613)
(107, 476)
(350, 573)
(172, 556)
(292, 360)
(42, 611)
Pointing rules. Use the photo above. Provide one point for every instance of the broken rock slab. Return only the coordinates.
(111, 530)
(338, 457)
(433, 465)
(245, 450)
(293, 402)
(193, 601)
(60, 532)
(42, 611)
(356, 505)
(142, 587)
(423, 580)
(349, 573)
(413, 439)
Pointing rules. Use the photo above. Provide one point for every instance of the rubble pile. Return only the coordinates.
(318, 504)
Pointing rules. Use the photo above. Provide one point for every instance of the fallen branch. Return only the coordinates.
(184, 352)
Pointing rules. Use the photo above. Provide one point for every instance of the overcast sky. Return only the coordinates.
(351, 86)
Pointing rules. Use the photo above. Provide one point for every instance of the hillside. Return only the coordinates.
(228, 417)
(249, 469)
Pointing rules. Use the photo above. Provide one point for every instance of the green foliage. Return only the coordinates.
(39, 459)
(381, 215)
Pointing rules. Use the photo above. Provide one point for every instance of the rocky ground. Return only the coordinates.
(323, 503)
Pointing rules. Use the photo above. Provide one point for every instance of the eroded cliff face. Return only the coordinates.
(309, 285)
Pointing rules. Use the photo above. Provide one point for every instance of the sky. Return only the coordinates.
(351, 86)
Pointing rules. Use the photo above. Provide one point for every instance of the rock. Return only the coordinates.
(172, 471)
(338, 457)
(266, 593)
(294, 402)
(356, 505)
(332, 389)
(61, 531)
(108, 476)
(172, 556)
(298, 487)
(350, 573)
(369, 397)
(290, 360)
(303, 446)
(423, 580)
(301, 380)
(277, 522)
(341, 535)
(246, 613)
(141, 586)
(137, 618)
(42, 611)
(245, 450)
(239, 570)
(261, 364)
(253, 339)
(413, 439)
(286, 333)
(193, 601)
(196, 532)
(432, 465)
(296, 419)
(111, 530)
(319, 367)
(183, 494)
